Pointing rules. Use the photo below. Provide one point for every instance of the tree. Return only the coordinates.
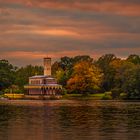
(7, 74)
(134, 58)
(132, 83)
(127, 78)
(62, 77)
(66, 63)
(130, 79)
(63, 69)
(55, 67)
(80, 58)
(119, 66)
(86, 78)
(23, 74)
(104, 64)
(104, 61)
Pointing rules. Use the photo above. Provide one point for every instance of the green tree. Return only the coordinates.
(55, 67)
(134, 58)
(66, 63)
(80, 58)
(23, 74)
(132, 83)
(7, 74)
(127, 78)
(104, 61)
(62, 76)
(104, 64)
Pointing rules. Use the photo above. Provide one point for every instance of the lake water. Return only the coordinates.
(70, 120)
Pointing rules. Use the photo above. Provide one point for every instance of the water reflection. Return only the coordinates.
(79, 121)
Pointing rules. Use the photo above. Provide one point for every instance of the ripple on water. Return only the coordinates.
(69, 120)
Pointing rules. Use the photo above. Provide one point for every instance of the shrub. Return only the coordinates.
(7, 90)
(17, 91)
(134, 95)
(10, 90)
(123, 96)
(64, 91)
(116, 93)
(1, 92)
(107, 96)
(108, 93)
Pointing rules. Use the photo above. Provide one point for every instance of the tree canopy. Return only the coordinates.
(7, 74)
(82, 74)
(86, 78)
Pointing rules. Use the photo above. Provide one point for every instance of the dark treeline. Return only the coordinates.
(15, 78)
(82, 75)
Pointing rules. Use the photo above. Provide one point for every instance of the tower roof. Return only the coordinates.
(47, 57)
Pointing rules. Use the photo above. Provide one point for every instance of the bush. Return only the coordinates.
(7, 90)
(107, 96)
(10, 90)
(116, 93)
(108, 93)
(64, 91)
(134, 95)
(1, 92)
(123, 96)
(3, 96)
(17, 91)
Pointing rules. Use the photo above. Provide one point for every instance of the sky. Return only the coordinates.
(33, 29)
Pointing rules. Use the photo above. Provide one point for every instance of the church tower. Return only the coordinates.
(47, 66)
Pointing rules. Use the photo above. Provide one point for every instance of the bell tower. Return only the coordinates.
(47, 66)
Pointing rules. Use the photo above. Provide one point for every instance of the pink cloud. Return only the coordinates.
(107, 6)
(30, 32)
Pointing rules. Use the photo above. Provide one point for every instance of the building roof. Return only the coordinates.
(50, 78)
(38, 76)
(41, 76)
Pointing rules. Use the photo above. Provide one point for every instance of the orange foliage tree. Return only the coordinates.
(86, 78)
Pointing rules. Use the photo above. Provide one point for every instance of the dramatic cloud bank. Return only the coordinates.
(33, 29)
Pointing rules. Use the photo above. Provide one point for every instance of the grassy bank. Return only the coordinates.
(98, 96)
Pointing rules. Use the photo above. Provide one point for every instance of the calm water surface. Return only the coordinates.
(72, 120)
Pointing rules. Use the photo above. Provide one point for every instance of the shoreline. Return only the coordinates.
(63, 102)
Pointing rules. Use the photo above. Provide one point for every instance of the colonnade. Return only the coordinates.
(44, 91)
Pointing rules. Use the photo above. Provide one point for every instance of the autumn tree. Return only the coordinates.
(63, 69)
(86, 78)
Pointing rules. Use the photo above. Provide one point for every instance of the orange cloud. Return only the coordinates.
(112, 7)
(51, 32)
(30, 29)
(56, 32)
(35, 58)
(115, 7)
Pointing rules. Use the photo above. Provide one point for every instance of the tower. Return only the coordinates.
(47, 66)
